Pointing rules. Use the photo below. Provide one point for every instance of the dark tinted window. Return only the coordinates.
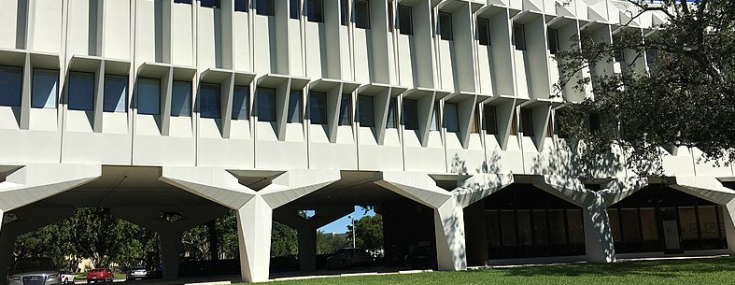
(392, 121)
(318, 108)
(345, 110)
(344, 12)
(519, 36)
(527, 122)
(362, 14)
(81, 91)
(266, 102)
(405, 20)
(445, 26)
(315, 11)
(410, 114)
(11, 84)
(294, 8)
(366, 111)
(483, 31)
(241, 5)
(491, 126)
(240, 102)
(211, 3)
(183, 1)
(294, 107)
(553, 38)
(209, 101)
(265, 7)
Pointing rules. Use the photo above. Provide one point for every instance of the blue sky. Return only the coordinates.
(340, 226)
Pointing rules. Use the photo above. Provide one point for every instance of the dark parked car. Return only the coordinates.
(349, 257)
(34, 271)
(423, 257)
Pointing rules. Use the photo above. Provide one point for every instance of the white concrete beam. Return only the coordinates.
(707, 188)
(35, 182)
(480, 186)
(621, 188)
(295, 184)
(418, 187)
(215, 184)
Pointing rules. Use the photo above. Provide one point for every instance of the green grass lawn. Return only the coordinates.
(687, 272)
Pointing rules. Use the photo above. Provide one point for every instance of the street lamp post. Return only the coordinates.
(353, 231)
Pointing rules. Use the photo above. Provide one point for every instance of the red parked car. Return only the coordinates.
(100, 274)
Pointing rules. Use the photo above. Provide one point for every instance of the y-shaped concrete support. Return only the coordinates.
(254, 209)
(307, 227)
(448, 208)
(599, 244)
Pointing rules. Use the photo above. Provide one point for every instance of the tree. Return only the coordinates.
(330, 243)
(368, 232)
(90, 233)
(283, 240)
(686, 97)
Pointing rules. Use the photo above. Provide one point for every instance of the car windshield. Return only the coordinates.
(25, 264)
(139, 268)
(97, 270)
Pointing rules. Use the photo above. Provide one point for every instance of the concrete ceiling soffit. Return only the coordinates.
(707, 188)
(621, 188)
(295, 184)
(33, 183)
(151, 217)
(415, 186)
(215, 184)
(480, 186)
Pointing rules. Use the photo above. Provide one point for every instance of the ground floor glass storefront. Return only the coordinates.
(658, 218)
(522, 221)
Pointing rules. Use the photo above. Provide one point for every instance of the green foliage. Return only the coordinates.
(685, 98)
(330, 243)
(369, 232)
(90, 233)
(283, 240)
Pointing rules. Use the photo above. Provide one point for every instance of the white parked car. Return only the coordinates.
(66, 277)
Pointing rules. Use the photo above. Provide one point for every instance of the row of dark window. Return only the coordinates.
(81, 97)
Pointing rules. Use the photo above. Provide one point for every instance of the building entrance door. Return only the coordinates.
(671, 236)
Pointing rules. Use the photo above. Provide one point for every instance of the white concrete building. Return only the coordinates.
(272, 106)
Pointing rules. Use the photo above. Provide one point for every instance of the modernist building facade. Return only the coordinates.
(194, 107)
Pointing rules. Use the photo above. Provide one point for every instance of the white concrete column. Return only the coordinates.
(598, 240)
(254, 225)
(170, 239)
(307, 248)
(450, 238)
